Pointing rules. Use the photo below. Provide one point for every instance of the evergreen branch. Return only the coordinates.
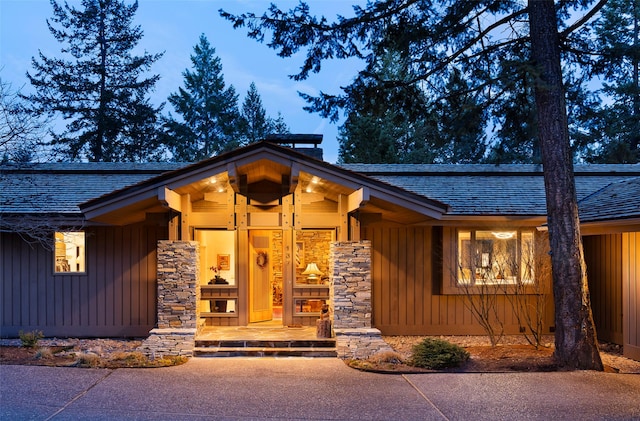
(577, 24)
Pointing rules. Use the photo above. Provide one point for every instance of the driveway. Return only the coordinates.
(308, 389)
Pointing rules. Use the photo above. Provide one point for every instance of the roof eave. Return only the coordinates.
(147, 191)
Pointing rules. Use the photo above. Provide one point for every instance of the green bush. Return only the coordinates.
(30, 339)
(437, 354)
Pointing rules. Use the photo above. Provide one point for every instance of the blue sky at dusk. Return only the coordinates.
(174, 26)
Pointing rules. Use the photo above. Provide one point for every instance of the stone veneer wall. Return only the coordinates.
(178, 278)
(350, 295)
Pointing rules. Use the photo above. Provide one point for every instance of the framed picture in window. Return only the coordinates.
(224, 262)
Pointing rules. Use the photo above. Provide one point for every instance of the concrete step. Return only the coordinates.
(211, 352)
(265, 347)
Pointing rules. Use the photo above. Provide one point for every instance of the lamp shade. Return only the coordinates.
(312, 270)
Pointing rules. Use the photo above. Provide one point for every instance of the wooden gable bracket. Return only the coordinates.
(169, 199)
(358, 199)
(294, 177)
(232, 174)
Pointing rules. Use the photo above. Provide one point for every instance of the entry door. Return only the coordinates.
(260, 291)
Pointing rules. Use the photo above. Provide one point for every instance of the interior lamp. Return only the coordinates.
(312, 271)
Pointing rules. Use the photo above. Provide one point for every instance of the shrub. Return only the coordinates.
(130, 359)
(389, 357)
(437, 354)
(44, 353)
(87, 360)
(30, 339)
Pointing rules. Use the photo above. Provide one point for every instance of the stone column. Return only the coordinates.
(350, 294)
(178, 280)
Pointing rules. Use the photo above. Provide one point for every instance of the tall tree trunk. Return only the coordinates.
(575, 335)
(635, 62)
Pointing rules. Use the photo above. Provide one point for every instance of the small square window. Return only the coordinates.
(69, 252)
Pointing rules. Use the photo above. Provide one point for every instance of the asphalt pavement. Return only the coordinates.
(309, 389)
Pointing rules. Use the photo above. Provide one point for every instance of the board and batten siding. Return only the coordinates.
(603, 256)
(116, 296)
(613, 270)
(631, 294)
(408, 269)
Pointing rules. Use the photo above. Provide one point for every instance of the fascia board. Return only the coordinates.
(119, 202)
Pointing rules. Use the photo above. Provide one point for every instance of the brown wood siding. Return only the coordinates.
(631, 294)
(407, 274)
(603, 255)
(115, 297)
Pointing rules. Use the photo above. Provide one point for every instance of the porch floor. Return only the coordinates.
(272, 330)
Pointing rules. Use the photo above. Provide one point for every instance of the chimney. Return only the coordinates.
(293, 140)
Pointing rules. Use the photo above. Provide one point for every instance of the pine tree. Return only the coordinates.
(254, 115)
(96, 84)
(462, 123)
(210, 121)
(375, 133)
(278, 125)
(256, 125)
(617, 128)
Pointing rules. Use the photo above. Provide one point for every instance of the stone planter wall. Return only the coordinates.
(178, 279)
(350, 295)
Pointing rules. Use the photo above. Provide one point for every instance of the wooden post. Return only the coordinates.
(323, 324)
(323, 328)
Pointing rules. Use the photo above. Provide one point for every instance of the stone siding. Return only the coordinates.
(350, 295)
(178, 278)
(359, 343)
(167, 342)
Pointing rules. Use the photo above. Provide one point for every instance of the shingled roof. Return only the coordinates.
(481, 189)
(617, 201)
(59, 188)
(475, 189)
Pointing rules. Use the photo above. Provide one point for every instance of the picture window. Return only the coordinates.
(495, 257)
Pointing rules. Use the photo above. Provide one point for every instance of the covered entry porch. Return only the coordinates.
(262, 233)
(179, 325)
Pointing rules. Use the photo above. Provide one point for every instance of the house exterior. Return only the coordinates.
(270, 232)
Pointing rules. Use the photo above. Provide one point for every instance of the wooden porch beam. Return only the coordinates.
(169, 198)
(234, 181)
(343, 215)
(186, 216)
(358, 198)
(295, 177)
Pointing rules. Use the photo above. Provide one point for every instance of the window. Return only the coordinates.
(495, 257)
(69, 252)
(311, 254)
(304, 306)
(217, 256)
